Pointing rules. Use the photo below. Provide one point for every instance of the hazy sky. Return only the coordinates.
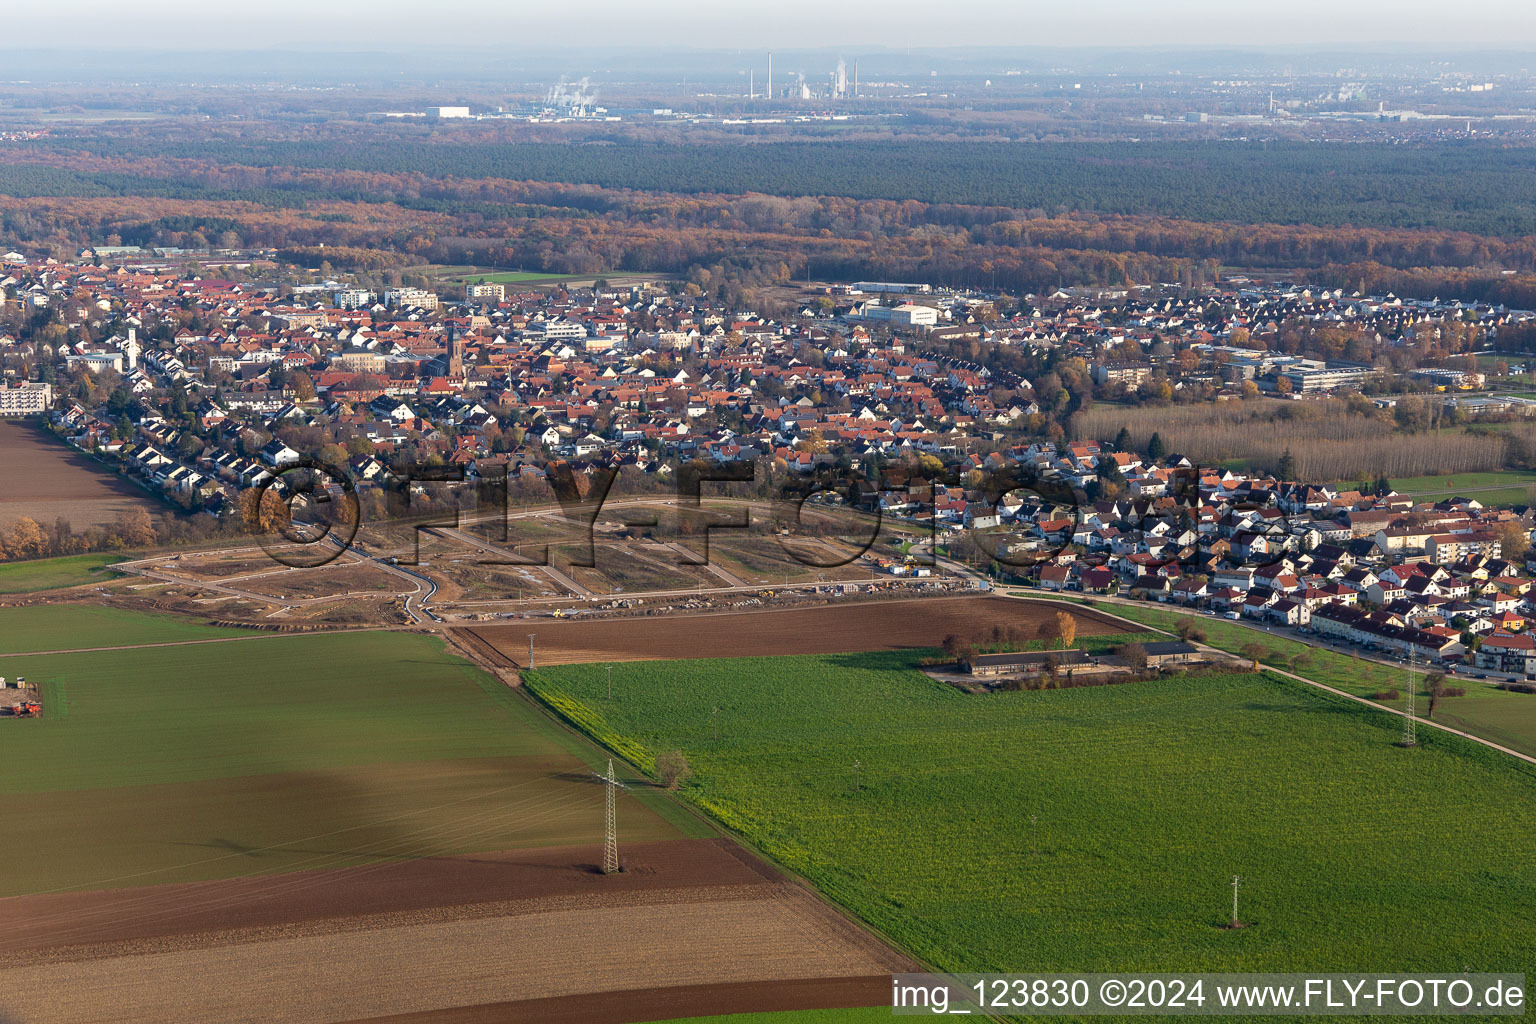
(514, 24)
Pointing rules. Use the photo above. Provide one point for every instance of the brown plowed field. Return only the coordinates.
(699, 925)
(45, 480)
(825, 629)
(659, 1004)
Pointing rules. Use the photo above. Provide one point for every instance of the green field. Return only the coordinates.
(1503, 717)
(1097, 828)
(526, 277)
(1504, 487)
(74, 626)
(296, 752)
(53, 573)
(867, 1015)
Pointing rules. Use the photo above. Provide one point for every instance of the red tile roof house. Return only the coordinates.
(1508, 652)
(1098, 579)
(1054, 577)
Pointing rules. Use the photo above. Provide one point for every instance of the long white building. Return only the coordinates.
(29, 398)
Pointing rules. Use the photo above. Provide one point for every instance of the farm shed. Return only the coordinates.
(1027, 661)
(1169, 652)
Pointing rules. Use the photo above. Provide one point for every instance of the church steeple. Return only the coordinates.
(455, 354)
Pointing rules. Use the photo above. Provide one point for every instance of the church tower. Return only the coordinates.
(455, 354)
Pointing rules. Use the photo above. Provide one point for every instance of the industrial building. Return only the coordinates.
(906, 314)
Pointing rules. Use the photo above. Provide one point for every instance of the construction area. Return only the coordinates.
(18, 699)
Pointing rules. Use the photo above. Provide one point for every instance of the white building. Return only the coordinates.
(27, 399)
(485, 290)
(907, 314)
(891, 286)
(443, 112)
(418, 297)
(96, 360)
(353, 298)
(564, 329)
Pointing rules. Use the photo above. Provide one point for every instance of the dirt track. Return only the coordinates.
(698, 924)
(825, 629)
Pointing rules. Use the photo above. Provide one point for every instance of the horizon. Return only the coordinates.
(182, 26)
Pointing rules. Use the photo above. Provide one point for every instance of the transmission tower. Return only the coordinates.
(1410, 723)
(610, 827)
(530, 649)
(610, 820)
(1236, 881)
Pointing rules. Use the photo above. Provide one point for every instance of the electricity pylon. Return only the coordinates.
(610, 821)
(1410, 722)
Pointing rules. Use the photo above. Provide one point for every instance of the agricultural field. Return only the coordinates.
(77, 626)
(524, 277)
(56, 573)
(1505, 718)
(1505, 487)
(857, 1015)
(1095, 828)
(295, 817)
(179, 751)
(869, 625)
(414, 938)
(47, 480)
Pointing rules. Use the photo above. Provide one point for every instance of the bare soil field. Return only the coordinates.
(516, 936)
(662, 1004)
(46, 480)
(824, 629)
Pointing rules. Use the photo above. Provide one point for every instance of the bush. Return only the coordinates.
(1518, 687)
(673, 769)
(1135, 655)
(1391, 694)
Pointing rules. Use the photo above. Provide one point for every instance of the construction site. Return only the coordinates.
(18, 699)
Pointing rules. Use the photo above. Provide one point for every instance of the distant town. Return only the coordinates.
(202, 387)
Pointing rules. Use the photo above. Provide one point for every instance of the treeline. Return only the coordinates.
(26, 538)
(1328, 440)
(561, 227)
(347, 257)
(1478, 187)
(1474, 284)
(479, 200)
